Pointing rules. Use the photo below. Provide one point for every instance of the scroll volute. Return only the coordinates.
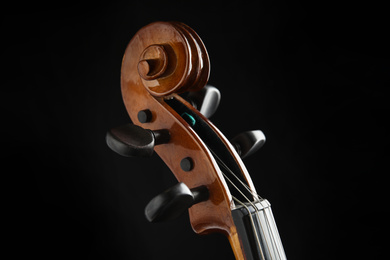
(162, 60)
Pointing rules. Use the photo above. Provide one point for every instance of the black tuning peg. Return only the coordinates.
(173, 202)
(206, 100)
(247, 143)
(132, 140)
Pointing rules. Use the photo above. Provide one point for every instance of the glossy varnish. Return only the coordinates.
(162, 60)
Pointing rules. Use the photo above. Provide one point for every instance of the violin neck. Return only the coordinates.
(257, 231)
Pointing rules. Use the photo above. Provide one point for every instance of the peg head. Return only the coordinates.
(205, 100)
(247, 143)
(173, 202)
(132, 140)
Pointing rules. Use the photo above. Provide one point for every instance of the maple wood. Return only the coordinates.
(162, 60)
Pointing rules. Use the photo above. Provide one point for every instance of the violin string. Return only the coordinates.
(274, 242)
(253, 225)
(257, 212)
(278, 241)
(245, 197)
(249, 212)
(235, 176)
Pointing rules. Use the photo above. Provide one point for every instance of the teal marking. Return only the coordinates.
(189, 119)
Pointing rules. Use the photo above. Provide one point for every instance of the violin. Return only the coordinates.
(164, 77)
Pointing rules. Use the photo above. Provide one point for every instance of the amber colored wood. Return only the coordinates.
(153, 62)
(235, 243)
(175, 53)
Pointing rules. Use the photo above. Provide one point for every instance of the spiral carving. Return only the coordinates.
(170, 58)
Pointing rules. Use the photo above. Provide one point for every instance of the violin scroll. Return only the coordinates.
(162, 62)
(172, 59)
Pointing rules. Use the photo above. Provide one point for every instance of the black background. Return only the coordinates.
(313, 77)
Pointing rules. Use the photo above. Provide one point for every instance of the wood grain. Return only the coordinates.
(181, 63)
